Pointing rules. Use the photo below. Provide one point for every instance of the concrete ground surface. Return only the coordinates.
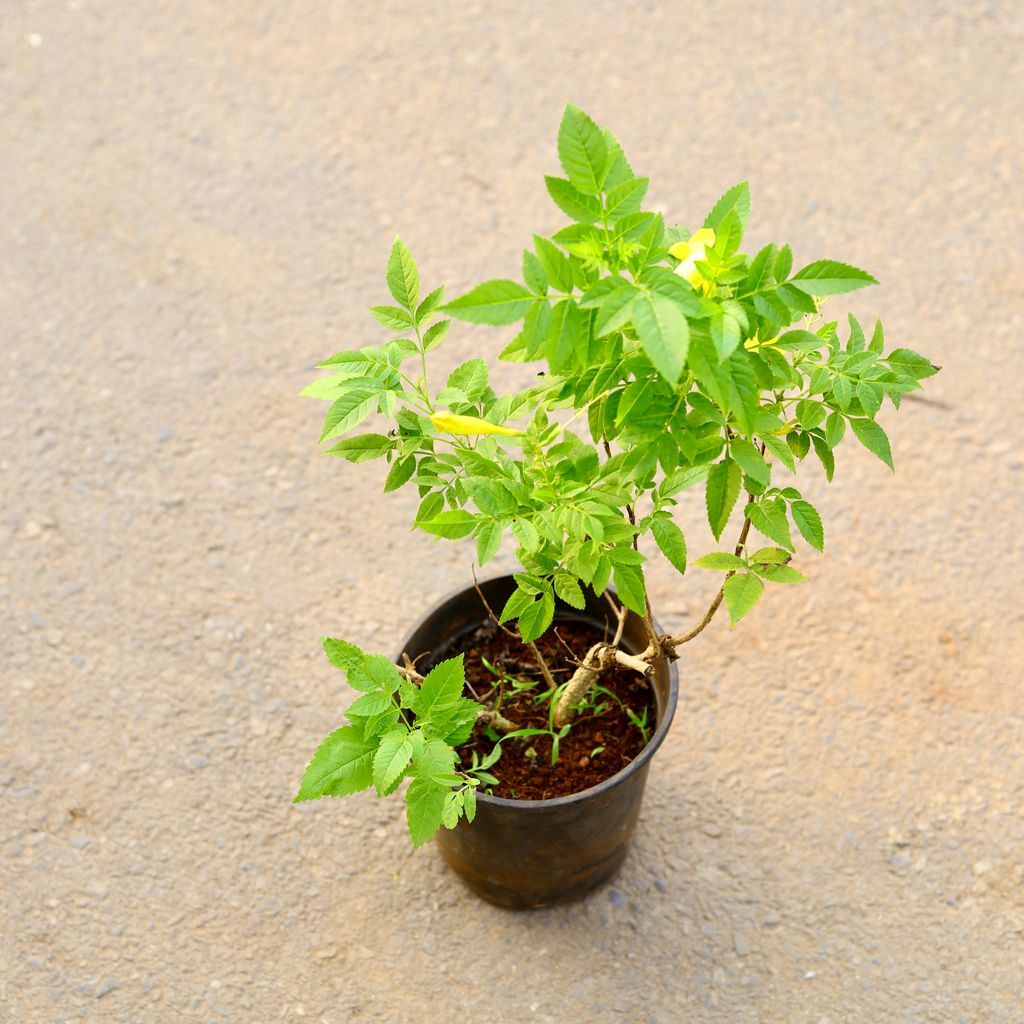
(196, 205)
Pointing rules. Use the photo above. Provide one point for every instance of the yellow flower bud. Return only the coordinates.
(452, 423)
(690, 251)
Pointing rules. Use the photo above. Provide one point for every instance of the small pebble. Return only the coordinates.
(712, 830)
(741, 944)
(617, 899)
(195, 762)
(105, 987)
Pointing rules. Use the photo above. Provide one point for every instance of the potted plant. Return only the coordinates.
(525, 710)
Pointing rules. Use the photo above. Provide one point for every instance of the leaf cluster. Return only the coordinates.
(667, 359)
(398, 730)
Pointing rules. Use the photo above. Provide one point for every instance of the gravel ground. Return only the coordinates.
(197, 203)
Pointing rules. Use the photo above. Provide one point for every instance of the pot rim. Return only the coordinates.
(640, 761)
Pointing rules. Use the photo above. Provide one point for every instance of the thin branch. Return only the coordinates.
(490, 611)
(670, 643)
(620, 615)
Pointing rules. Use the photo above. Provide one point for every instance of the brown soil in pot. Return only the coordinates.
(525, 777)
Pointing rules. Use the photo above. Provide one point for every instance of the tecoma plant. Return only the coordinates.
(668, 360)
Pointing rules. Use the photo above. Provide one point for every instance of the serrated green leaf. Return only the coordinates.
(424, 808)
(770, 519)
(362, 447)
(400, 472)
(517, 603)
(391, 759)
(906, 360)
(874, 438)
(781, 574)
(825, 456)
(720, 561)
(440, 689)
(369, 704)
(469, 803)
(625, 198)
(723, 488)
(664, 333)
(488, 541)
(735, 199)
(471, 378)
(535, 619)
(533, 274)
(568, 589)
(835, 428)
(830, 277)
(751, 461)
(555, 263)
(570, 200)
(770, 556)
(670, 541)
(742, 592)
(629, 585)
(341, 654)
(402, 276)
(453, 524)
(392, 317)
(582, 150)
(435, 333)
(342, 764)
(496, 302)
(805, 515)
(349, 411)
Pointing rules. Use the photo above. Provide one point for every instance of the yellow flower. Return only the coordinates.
(690, 251)
(451, 423)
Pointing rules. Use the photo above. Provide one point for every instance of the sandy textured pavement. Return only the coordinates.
(196, 203)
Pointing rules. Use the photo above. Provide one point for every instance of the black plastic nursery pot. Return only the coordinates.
(535, 853)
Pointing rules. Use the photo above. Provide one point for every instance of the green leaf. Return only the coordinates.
(723, 488)
(342, 764)
(629, 584)
(742, 592)
(664, 333)
(770, 519)
(349, 411)
(496, 302)
(570, 200)
(582, 150)
(783, 263)
(424, 809)
(535, 619)
(874, 438)
(341, 654)
(375, 672)
(392, 758)
(429, 304)
(517, 603)
(671, 541)
(835, 428)
(469, 803)
(470, 377)
(825, 456)
(440, 689)
(488, 541)
(568, 589)
(735, 199)
(401, 470)
(403, 278)
(781, 574)
(556, 264)
(533, 274)
(770, 556)
(720, 561)
(808, 522)
(906, 360)
(453, 524)
(369, 704)
(750, 459)
(362, 447)
(392, 317)
(829, 277)
(625, 198)
(435, 333)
